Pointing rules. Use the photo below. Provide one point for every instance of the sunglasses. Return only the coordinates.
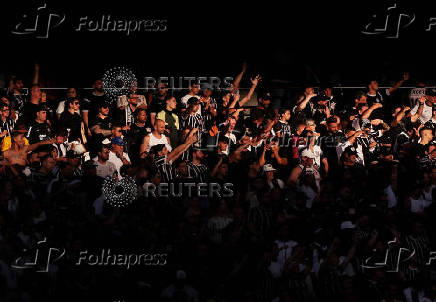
(76, 103)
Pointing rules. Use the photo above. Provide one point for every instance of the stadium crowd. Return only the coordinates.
(332, 193)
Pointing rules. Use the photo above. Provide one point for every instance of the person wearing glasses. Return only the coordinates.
(72, 121)
(6, 123)
(102, 124)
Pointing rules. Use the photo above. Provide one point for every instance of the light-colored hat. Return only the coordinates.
(347, 225)
(268, 168)
(307, 153)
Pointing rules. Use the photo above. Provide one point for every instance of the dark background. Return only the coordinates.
(278, 39)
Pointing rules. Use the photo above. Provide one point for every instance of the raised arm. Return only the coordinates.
(399, 83)
(35, 80)
(177, 152)
(368, 111)
(239, 77)
(254, 83)
(302, 105)
(38, 144)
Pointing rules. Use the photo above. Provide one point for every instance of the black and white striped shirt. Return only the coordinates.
(191, 122)
(198, 172)
(165, 168)
(7, 125)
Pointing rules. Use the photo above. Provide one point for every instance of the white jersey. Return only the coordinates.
(157, 141)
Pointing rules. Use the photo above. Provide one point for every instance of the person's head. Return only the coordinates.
(71, 92)
(5, 111)
(265, 100)
(373, 85)
(308, 90)
(103, 153)
(43, 97)
(226, 96)
(328, 91)
(141, 115)
(116, 130)
(18, 138)
(194, 88)
(133, 99)
(426, 134)
(232, 123)
(117, 145)
(223, 143)
(41, 114)
(193, 105)
(35, 92)
(98, 85)
(332, 125)
(162, 89)
(159, 126)
(47, 163)
(197, 154)
(103, 108)
(307, 158)
(61, 136)
(207, 90)
(72, 104)
(360, 97)
(285, 115)
(18, 84)
(310, 125)
(171, 103)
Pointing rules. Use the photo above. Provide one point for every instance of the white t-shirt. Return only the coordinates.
(426, 115)
(113, 158)
(106, 169)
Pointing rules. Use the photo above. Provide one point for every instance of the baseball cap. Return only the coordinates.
(307, 153)
(347, 225)
(117, 141)
(106, 141)
(268, 168)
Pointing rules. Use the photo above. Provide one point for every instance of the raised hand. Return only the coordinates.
(256, 80)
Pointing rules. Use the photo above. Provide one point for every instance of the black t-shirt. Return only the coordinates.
(73, 123)
(105, 124)
(39, 132)
(379, 97)
(91, 103)
(157, 104)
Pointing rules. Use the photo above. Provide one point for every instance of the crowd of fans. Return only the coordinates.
(332, 193)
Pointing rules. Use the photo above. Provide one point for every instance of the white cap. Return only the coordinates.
(106, 142)
(268, 168)
(347, 225)
(307, 153)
